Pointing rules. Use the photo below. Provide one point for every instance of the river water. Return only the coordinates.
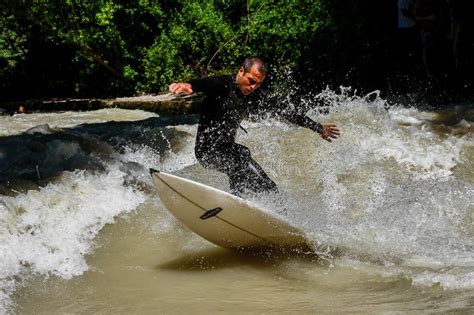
(388, 207)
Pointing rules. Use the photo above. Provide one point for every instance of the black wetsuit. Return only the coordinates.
(223, 110)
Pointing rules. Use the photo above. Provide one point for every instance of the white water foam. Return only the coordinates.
(358, 193)
(16, 124)
(174, 160)
(49, 231)
(413, 144)
(413, 207)
(384, 192)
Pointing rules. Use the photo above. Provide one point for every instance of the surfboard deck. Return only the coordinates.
(222, 218)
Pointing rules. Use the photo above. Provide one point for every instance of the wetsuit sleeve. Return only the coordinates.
(211, 86)
(284, 107)
(301, 120)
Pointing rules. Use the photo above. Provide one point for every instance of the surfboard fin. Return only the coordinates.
(211, 213)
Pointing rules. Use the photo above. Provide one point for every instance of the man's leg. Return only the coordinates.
(243, 171)
(250, 176)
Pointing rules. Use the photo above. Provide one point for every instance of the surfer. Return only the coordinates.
(227, 100)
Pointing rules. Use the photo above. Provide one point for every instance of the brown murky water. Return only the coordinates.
(389, 207)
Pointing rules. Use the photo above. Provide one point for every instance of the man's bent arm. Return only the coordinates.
(210, 85)
(298, 117)
(302, 121)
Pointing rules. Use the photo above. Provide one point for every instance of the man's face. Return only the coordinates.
(249, 81)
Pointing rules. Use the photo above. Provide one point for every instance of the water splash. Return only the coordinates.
(395, 192)
(387, 192)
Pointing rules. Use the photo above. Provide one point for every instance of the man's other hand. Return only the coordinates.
(330, 132)
(178, 88)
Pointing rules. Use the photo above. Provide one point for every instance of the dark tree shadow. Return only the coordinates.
(35, 157)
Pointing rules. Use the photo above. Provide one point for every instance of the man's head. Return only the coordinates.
(251, 75)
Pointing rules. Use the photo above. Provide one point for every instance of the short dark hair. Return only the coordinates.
(249, 62)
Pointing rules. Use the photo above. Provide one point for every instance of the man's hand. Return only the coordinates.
(178, 88)
(329, 132)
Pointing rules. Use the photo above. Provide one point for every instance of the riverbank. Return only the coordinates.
(170, 104)
(163, 104)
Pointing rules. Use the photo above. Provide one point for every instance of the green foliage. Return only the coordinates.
(133, 46)
(187, 47)
(12, 49)
(281, 32)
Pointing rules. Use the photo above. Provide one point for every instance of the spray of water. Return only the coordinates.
(394, 192)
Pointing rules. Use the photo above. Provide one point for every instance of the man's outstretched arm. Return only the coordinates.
(280, 105)
(327, 131)
(210, 86)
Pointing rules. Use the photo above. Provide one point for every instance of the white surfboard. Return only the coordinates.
(222, 218)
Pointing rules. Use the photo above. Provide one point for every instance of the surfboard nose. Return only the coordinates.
(152, 171)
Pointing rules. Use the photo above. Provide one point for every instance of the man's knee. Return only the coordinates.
(215, 159)
(253, 178)
(207, 160)
(226, 158)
